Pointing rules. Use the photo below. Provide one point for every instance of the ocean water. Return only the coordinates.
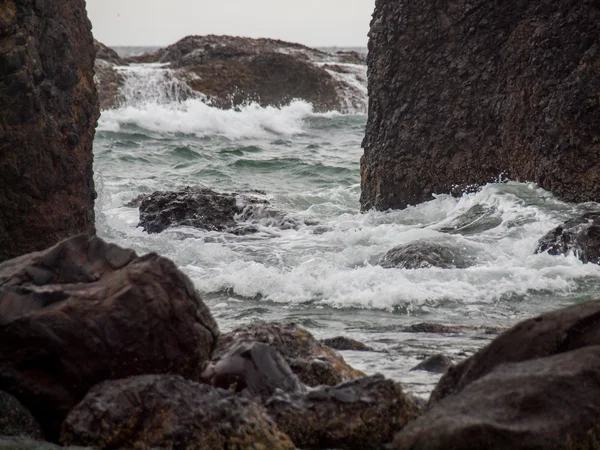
(323, 273)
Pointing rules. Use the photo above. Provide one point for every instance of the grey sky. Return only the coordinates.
(159, 22)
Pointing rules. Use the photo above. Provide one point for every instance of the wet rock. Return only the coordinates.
(551, 402)
(169, 412)
(464, 93)
(580, 236)
(429, 327)
(550, 334)
(24, 443)
(253, 368)
(346, 343)
(423, 254)
(313, 362)
(475, 220)
(436, 363)
(48, 114)
(85, 311)
(107, 54)
(359, 414)
(108, 79)
(15, 419)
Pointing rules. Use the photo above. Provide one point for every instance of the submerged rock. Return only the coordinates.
(168, 411)
(436, 363)
(346, 343)
(313, 362)
(48, 114)
(461, 93)
(359, 414)
(85, 311)
(580, 236)
(16, 420)
(425, 253)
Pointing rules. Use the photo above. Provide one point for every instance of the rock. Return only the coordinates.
(549, 334)
(24, 443)
(551, 402)
(169, 412)
(108, 79)
(107, 54)
(428, 327)
(423, 254)
(313, 362)
(580, 236)
(359, 414)
(15, 419)
(254, 368)
(346, 343)
(85, 311)
(463, 93)
(48, 113)
(436, 363)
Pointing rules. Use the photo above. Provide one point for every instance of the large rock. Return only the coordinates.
(313, 362)
(426, 253)
(109, 80)
(15, 419)
(85, 311)
(543, 403)
(48, 113)
(169, 412)
(580, 236)
(464, 92)
(359, 414)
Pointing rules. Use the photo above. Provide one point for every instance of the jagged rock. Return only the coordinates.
(580, 235)
(107, 54)
(107, 78)
(169, 412)
(253, 368)
(551, 402)
(48, 113)
(359, 414)
(346, 343)
(461, 93)
(423, 254)
(552, 333)
(313, 362)
(85, 311)
(15, 419)
(436, 363)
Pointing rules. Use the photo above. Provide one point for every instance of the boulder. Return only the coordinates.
(436, 363)
(85, 311)
(15, 419)
(168, 411)
(48, 114)
(580, 236)
(346, 343)
(424, 253)
(548, 334)
(313, 362)
(359, 414)
(551, 402)
(465, 93)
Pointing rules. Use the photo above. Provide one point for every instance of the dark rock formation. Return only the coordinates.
(346, 343)
(23, 443)
(253, 368)
(549, 334)
(48, 113)
(425, 253)
(169, 412)
(428, 327)
(313, 362)
(359, 414)
(85, 311)
(544, 403)
(107, 54)
(15, 419)
(580, 235)
(436, 363)
(107, 78)
(463, 92)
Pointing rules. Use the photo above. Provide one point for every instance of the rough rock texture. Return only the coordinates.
(85, 311)
(313, 362)
(425, 253)
(437, 363)
(359, 414)
(15, 419)
(48, 113)
(346, 343)
(545, 403)
(463, 92)
(553, 333)
(253, 368)
(169, 412)
(23, 443)
(107, 54)
(107, 78)
(580, 235)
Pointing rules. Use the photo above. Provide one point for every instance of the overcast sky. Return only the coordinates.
(160, 22)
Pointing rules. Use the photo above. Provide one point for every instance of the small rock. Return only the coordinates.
(428, 327)
(346, 343)
(423, 254)
(580, 236)
(436, 363)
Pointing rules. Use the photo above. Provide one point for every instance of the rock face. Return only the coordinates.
(107, 78)
(551, 402)
(464, 92)
(15, 419)
(48, 113)
(580, 235)
(85, 311)
(423, 254)
(313, 362)
(359, 414)
(169, 412)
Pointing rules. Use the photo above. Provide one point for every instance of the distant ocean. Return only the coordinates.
(324, 275)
